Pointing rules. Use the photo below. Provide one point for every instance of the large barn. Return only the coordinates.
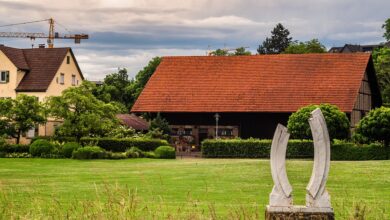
(251, 94)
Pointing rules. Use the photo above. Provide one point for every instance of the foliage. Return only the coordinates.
(122, 132)
(278, 41)
(89, 152)
(165, 152)
(134, 152)
(14, 148)
(252, 148)
(241, 51)
(256, 148)
(20, 115)
(82, 112)
(160, 123)
(54, 138)
(15, 155)
(375, 126)
(116, 155)
(336, 121)
(381, 58)
(68, 148)
(386, 26)
(41, 147)
(312, 46)
(141, 79)
(122, 144)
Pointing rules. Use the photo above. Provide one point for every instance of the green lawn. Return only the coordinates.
(188, 188)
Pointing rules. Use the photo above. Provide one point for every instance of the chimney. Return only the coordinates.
(41, 45)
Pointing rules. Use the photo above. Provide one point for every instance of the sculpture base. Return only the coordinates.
(298, 212)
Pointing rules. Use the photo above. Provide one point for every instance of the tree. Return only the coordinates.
(375, 126)
(159, 128)
(19, 115)
(386, 26)
(277, 43)
(143, 76)
(312, 46)
(82, 112)
(336, 121)
(241, 51)
(381, 58)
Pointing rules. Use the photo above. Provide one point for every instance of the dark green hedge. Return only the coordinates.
(255, 148)
(14, 148)
(54, 138)
(122, 144)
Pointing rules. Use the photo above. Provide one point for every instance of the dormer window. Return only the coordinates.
(62, 79)
(4, 76)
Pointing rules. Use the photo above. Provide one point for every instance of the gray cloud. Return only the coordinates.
(127, 33)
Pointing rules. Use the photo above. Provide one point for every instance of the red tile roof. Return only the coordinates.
(41, 65)
(259, 83)
(133, 121)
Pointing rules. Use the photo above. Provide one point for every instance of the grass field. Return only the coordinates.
(178, 189)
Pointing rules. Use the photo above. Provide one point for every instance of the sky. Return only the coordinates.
(129, 33)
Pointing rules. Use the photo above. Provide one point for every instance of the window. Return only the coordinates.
(67, 59)
(62, 79)
(73, 80)
(225, 132)
(4, 76)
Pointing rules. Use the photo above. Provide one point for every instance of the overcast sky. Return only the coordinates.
(128, 33)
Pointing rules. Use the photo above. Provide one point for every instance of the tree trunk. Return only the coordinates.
(18, 138)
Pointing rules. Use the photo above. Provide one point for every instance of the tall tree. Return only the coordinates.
(83, 114)
(143, 76)
(381, 59)
(19, 115)
(311, 46)
(386, 26)
(278, 41)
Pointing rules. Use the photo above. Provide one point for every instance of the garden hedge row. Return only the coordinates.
(122, 144)
(256, 148)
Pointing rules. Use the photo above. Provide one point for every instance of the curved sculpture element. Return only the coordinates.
(317, 195)
(281, 192)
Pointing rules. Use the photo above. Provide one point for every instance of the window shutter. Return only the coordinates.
(7, 76)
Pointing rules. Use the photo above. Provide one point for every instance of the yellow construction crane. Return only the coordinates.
(50, 37)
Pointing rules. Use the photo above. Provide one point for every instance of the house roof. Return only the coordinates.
(41, 65)
(133, 121)
(259, 83)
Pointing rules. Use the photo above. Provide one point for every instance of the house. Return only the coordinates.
(133, 121)
(40, 72)
(252, 94)
(353, 48)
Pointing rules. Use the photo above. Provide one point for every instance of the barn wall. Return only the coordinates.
(363, 102)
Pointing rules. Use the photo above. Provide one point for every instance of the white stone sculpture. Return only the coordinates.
(281, 192)
(317, 197)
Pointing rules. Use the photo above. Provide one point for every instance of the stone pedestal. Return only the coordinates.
(298, 213)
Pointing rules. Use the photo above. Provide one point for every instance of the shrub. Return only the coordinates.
(150, 154)
(165, 152)
(122, 144)
(41, 147)
(68, 149)
(54, 138)
(375, 126)
(255, 148)
(336, 121)
(116, 156)
(89, 152)
(14, 148)
(134, 152)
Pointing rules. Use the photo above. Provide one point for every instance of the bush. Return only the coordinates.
(89, 152)
(14, 148)
(54, 138)
(68, 148)
(116, 156)
(41, 147)
(255, 148)
(165, 152)
(134, 152)
(336, 121)
(375, 126)
(122, 144)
